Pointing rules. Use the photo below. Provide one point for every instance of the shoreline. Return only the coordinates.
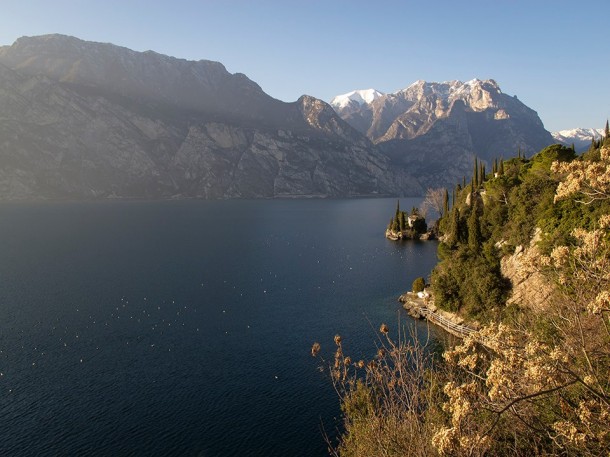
(424, 308)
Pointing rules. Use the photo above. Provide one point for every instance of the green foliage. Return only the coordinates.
(402, 222)
(512, 203)
(474, 230)
(419, 284)
(419, 225)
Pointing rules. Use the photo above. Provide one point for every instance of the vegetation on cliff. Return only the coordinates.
(530, 381)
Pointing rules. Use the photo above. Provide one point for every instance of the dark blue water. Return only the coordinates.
(184, 327)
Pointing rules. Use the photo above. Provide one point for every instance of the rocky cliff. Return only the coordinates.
(436, 129)
(92, 120)
(530, 288)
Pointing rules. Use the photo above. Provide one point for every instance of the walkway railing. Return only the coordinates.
(458, 329)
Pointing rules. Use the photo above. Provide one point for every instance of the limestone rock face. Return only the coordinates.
(91, 120)
(436, 129)
(529, 287)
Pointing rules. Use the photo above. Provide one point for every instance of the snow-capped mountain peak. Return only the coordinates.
(580, 137)
(364, 96)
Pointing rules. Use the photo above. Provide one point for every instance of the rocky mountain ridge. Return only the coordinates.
(427, 124)
(93, 120)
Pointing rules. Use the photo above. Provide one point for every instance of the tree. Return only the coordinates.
(402, 223)
(454, 227)
(590, 181)
(475, 173)
(474, 229)
(419, 284)
(435, 200)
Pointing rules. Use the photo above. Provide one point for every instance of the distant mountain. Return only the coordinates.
(436, 129)
(356, 97)
(580, 137)
(93, 120)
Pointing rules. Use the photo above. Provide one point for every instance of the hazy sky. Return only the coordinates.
(552, 54)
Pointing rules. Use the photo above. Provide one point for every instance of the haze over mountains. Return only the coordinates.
(92, 120)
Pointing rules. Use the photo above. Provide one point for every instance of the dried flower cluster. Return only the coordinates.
(587, 178)
(535, 387)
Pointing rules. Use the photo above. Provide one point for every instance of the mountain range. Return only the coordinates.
(436, 129)
(83, 120)
(579, 137)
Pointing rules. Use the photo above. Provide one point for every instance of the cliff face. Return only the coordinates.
(436, 129)
(530, 288)
(91, 120)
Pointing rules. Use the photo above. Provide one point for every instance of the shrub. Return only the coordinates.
(419, 285)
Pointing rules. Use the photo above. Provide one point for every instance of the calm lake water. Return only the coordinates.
(185, 327)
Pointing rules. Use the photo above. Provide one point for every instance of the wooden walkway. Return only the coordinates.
(458, 330)
(419, 310)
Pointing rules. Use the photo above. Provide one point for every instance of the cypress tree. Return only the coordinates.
(607, 130)
(397, 209)
(402, 224)
(501, 169)
(474, 230)
(391, 223)
(454, 229)
(395, 226)
(475, 173)
(445, 203)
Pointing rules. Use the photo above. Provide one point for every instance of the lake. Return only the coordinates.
(185, 327)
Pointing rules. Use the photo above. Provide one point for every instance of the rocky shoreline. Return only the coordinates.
(408, 235)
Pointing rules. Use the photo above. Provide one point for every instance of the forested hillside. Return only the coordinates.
(532, 380)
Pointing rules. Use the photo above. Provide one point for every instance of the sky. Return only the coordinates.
(551, 54)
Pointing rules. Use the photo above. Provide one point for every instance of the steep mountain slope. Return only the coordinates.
(89, 120)
(436, 129)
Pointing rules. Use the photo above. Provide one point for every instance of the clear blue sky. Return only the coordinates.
(554, 55)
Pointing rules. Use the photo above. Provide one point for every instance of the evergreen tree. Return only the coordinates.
(445, 203)
(474, 230)
(397, 209)
(391, 223)
(475, 172)
(501, 168)
(454, 228)
(395, 226)
(607, 130)
(402, 223)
